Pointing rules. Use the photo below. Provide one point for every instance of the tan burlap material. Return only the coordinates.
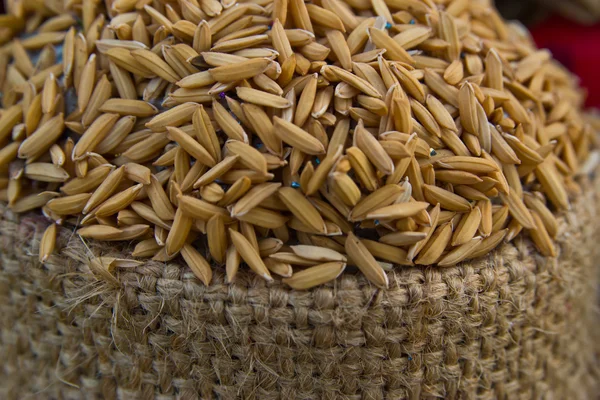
(511, 325)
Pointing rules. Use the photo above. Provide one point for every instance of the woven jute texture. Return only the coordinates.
(513, 325)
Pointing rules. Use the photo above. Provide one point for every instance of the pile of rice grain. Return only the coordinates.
(295, 137)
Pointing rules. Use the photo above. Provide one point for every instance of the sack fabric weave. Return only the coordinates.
(512, 325)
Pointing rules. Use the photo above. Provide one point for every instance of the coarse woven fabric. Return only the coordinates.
(512, 325)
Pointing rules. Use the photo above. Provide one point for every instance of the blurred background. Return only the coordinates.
(569, 28)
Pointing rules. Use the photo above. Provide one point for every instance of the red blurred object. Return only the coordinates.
(577, 47)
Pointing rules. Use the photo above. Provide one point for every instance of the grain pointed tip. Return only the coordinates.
(267, 277)
(386, 282)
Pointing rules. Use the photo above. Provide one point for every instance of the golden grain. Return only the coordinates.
(364, 170)
(403, 238)
(517, 209)
(179, 232)
(241, 70)
(10, 117)
(118, 202)
(436, 245)
(446, 199)
(32, 201)
(47, 243)
(69, 205)
(365, 261)
(248, 155)
(191, 146)
(45, 172)
(414, 250)
(302, 209)
(297, 137)
(316, 253)
(541, 238)
(547, 175)
(228, 123)
(250, 255)
(212, 192)
(398, 211)
(100, 232)
(269, 246)
(253, 198)
(292, 258)
(460, 253)
(197, 263)
(373, 149)
(382, 197)
(437, 84)
(467, 227)
(314, 276)
(159, 199)
(394, 51)
(94, 135)
(261, 98)
(351, 79)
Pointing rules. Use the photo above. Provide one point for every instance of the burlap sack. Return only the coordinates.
(510, 325)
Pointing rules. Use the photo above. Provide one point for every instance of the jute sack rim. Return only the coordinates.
(104, 252)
